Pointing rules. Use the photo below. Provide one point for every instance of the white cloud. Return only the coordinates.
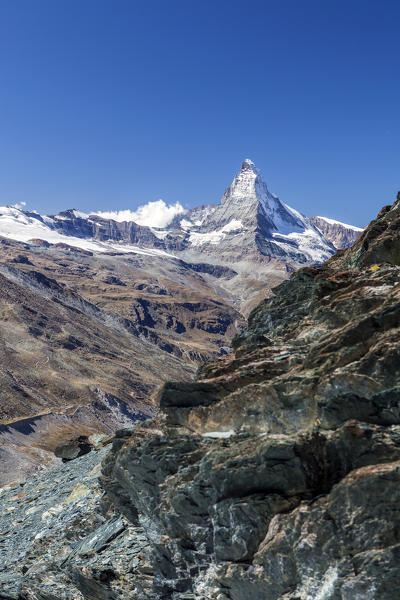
(152, 214)
(19, 205)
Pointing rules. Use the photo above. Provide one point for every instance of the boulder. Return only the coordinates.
(71, 449)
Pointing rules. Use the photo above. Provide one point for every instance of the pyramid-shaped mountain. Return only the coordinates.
(251, 217)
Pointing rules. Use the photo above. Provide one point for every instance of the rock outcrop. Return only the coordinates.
(73, 448)
(276, 474)
(339, 234)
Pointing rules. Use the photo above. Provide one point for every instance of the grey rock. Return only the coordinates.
(56, 542)
(339, 234)
(77, 446)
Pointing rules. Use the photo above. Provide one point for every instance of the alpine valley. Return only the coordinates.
(97, 313)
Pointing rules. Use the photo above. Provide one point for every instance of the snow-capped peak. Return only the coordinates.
(249, 219)
(248, 165)
(242, 188)
(248, 199)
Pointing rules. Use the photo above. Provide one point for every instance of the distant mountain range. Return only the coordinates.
(250, 226)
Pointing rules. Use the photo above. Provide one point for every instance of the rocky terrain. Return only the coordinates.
(57, 541)
(274, 475)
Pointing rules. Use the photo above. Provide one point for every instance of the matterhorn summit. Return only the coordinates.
(259, 208)
(254, 221)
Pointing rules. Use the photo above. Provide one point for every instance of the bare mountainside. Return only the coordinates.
(273, 476)
(85, 339)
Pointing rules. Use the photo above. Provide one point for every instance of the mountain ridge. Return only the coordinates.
(247, 202)
(250, 232)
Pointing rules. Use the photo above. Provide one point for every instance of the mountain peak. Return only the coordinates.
(248, 165)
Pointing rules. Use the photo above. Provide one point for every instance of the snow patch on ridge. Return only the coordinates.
(214, 237)
(159, 233)
(185, 224)
(333, 222)
(79, 214)
(306, 243)
(234, 225)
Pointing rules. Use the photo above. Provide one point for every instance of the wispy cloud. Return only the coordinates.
(152, 214)
(19, 205)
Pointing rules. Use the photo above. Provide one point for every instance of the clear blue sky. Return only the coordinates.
(111, 104)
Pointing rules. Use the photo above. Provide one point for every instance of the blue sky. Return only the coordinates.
(112, 104)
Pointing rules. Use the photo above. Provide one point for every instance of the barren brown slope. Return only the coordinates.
(182, 308)
(85, 339)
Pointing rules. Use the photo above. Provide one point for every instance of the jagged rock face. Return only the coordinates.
(252, 224)
(276, 474)
(249, 198)
(339, 234)
(380, 242)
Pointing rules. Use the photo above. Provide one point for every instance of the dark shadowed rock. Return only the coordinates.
(77, 446)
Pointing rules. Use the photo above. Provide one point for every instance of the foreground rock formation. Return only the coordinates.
(276, 475)
(58, 542)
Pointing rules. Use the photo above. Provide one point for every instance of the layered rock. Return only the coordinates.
(276, 474)
(58, 541)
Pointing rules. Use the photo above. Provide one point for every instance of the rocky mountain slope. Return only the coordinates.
(274, 475)
(96, 313)
(339, 234)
